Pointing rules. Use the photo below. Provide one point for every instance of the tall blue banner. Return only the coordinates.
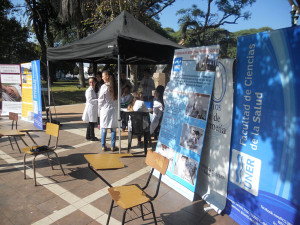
(36, 94)
(188, 96)
(264, 171)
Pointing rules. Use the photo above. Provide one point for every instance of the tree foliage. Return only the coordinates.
(198, 21)
(15, 48)
(102, 12)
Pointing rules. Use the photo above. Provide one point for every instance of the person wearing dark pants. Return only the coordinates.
(90, 113)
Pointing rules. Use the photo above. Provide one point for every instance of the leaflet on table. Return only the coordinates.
(187, 104)
(264, 171)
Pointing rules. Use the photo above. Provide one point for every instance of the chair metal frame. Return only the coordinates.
(154, 160)
(137, 127)
(52, 130)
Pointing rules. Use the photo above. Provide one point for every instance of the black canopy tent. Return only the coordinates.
(125, 36)
(124, 40)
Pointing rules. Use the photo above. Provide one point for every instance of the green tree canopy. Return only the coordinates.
(14, 44)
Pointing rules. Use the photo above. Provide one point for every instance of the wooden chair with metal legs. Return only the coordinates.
(130, 196)
(53, 131)
(15, 132)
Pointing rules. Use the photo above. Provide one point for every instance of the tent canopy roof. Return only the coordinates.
(124, 36)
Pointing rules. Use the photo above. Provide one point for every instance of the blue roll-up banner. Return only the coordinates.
(264, 178)
(187, 96)
(36, 94)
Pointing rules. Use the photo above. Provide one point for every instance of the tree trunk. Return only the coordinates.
(81, 75)
(81, 71)
(133, 76)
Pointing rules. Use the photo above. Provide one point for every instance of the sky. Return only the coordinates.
(264, 13)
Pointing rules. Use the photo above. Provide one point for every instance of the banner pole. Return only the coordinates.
(49, 96)
(119, 94)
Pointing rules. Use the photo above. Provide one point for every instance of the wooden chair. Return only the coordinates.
(137, 119)
(14, 122)
(130, 196)
(53, 131)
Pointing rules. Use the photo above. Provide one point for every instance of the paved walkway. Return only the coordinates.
(80, 197)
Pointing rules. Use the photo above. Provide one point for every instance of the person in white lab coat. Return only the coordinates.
(147, 85)
(90, 113)
(108, 106)
(158, 108)
(138, 105)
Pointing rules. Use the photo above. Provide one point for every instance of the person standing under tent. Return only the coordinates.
(138, 105)
(108, 106)
(158, 108)
(147, 85)
(90, 113)
(125, 83)
(99, 83)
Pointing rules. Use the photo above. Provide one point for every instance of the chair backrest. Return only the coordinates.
(137, 119)
(14, 117)
(53, 130)
(157, 161)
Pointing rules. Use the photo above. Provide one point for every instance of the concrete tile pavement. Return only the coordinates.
(80, 197)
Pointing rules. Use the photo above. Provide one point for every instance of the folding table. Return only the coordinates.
(104, 162)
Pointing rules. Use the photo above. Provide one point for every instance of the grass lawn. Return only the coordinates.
(67, 92)
(64, 93)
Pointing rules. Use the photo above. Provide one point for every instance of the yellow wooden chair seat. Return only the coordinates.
(128, 196)
(11, 133)
(105, 161)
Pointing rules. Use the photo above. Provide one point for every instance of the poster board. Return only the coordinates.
(10, 78)
(214, 164)
(27, 101)
(37, 94)
(187, 100)
(264, 170)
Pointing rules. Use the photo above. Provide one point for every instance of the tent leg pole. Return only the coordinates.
(49, 96)
(119, 108)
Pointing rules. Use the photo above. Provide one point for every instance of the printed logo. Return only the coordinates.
(220, 83)
(245, 171)
(177, 64)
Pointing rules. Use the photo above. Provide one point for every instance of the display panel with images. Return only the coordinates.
(191, 137)
(187, 100)
(11, 91)
(186, 168)
(198, 105)
(166, 152)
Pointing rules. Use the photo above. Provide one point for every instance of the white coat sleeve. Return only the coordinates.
(89, 98)
(101, 98)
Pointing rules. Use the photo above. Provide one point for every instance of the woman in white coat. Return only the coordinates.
(90, 113)
(158, 109)
(108, 106)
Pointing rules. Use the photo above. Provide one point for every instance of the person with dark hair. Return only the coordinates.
(158, 108)
(108, 106)
(99, 81)
(147, 85)
(90, 113)
(125, 83)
